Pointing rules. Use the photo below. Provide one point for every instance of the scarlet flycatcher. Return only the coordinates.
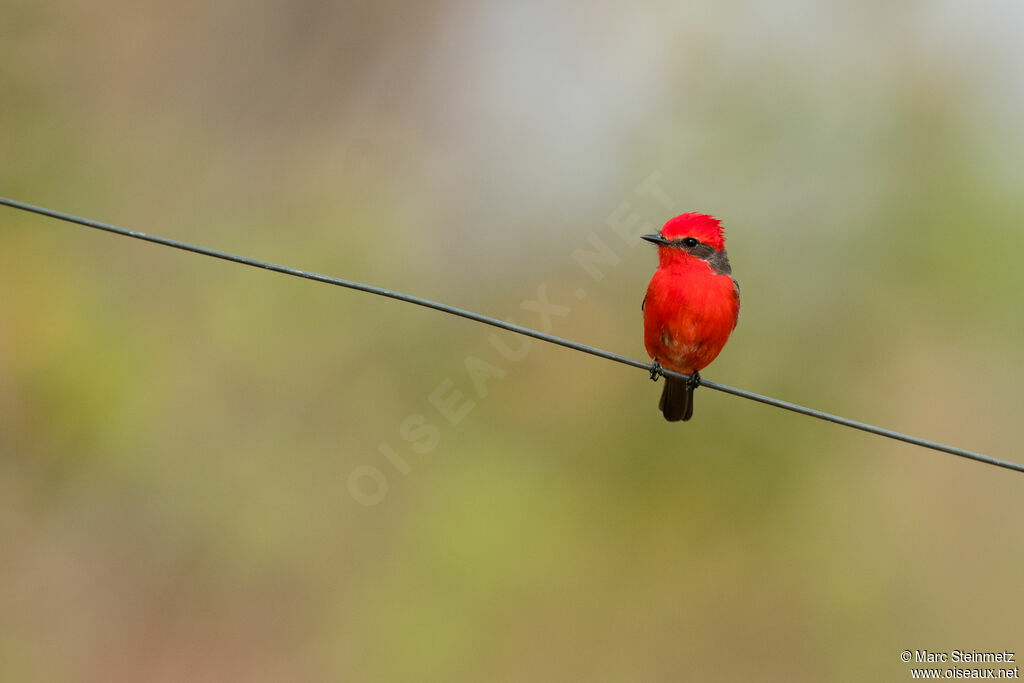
(691, 306)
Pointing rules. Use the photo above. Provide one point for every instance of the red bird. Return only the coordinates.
(691, 306)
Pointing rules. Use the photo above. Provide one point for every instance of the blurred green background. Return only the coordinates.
(210, 472)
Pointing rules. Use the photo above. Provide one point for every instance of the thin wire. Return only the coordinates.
(518, 329)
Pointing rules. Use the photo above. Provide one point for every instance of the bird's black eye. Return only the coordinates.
(690, 242)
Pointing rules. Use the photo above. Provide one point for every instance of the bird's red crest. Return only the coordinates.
(707, 229)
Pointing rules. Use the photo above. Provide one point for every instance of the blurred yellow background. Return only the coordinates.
(210, 472)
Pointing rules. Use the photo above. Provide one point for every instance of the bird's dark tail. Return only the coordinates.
(676, 400)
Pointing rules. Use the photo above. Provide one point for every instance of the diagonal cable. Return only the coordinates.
(511, 327)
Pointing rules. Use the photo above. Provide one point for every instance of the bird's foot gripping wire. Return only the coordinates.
(655, 370)
(694, 380)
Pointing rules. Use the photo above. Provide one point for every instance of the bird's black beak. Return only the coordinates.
(655, 238)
